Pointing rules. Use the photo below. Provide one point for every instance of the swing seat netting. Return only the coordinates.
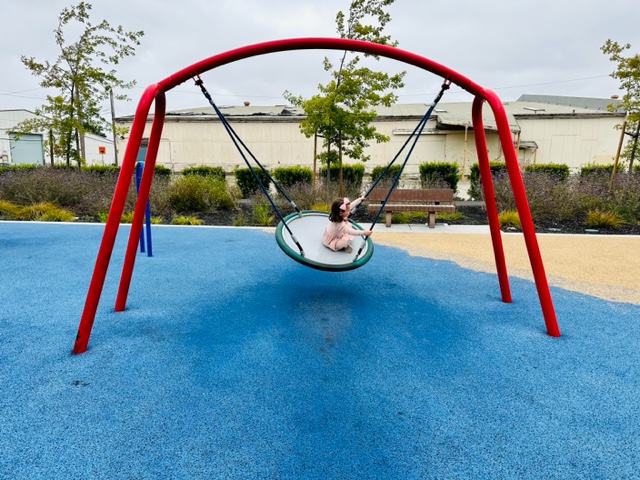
(307, 227)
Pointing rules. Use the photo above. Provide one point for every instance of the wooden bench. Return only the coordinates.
(412, 200)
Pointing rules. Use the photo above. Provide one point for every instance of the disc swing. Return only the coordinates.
(413, 138)
(299, 234)
(309, 225)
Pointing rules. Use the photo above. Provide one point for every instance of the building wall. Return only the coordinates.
(39, 154)
(92, 146)
(572, 141)
(187, 143)
(8, 118)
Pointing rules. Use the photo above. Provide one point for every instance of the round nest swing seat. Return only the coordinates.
(307, 228)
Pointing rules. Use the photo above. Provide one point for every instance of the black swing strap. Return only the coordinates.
(415, 135)
(240, 145)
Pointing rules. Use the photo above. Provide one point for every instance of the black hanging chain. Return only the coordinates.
(240, 145)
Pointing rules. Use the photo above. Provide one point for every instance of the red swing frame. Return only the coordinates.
(155, 94)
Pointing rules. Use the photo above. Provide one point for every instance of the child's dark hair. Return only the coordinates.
(334, 215)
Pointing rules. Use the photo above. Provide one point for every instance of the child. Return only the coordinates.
(339, 232)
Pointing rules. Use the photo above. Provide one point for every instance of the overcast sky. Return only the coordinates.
(510, 46)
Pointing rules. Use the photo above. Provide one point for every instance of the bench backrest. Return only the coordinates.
(430, 195)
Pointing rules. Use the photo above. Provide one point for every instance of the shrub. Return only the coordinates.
(160, 171)
(206, 171)
(599, 219)
(247, 182)
(20, 167)
(262, 214)
(590, 192)
(102, 169)
(388, 177)
(624, 197)
(288, 176)
(592, 169)
(502, 191)
(351, 174)
(498, 168)
(240, 220)
(193, 193)
(509, 218)
(435, 173)
(550, 196)
(305, 195)
(556, 170)
(159, 195)
(83, 192)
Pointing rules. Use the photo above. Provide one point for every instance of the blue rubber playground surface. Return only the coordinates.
(233, 361)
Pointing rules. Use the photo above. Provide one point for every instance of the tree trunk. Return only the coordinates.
(635, 147)
(51, 147)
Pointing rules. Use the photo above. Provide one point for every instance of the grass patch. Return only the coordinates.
(9, 211)
(321, 206)
(600, 219)
(45, 212)
(509, 218)
(240, 220)
(400, 217)
(449, 216)
(186, 220)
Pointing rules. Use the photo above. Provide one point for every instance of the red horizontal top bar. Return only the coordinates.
(318, 43)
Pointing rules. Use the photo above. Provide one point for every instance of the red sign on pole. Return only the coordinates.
(102, 149)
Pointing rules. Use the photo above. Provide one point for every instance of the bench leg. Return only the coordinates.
(387, 219)
(432, 220)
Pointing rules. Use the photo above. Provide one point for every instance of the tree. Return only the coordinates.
(81, 82)
(342, 112)
(628, 72)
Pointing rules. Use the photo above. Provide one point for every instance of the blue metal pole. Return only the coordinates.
(147, 214)
(139, 167)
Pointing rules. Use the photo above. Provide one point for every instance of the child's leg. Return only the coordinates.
(343, 242)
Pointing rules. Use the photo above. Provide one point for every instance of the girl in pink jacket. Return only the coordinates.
(339, 232)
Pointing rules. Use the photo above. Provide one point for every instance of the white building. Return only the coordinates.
(30, 148)
(546, 129)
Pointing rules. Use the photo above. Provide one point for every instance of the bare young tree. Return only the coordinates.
(83, 77)
(628, 72)
(342, 112)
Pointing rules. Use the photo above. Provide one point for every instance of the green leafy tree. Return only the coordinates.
(342, 112)
(628, 73)
(83, 78)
